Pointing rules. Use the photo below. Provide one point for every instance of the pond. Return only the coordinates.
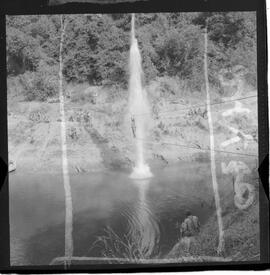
(104, 205)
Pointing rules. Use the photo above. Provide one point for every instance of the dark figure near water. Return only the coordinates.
(133, 126)
(189, 228)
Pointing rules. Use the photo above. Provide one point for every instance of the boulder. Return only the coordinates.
(11, 166)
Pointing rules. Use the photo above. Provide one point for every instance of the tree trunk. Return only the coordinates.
(68, 198)
(212, 149)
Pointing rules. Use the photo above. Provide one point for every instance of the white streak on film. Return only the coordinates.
(238, 169)
(230, 141)
(212, 151)
(66, 179)
(238, 109)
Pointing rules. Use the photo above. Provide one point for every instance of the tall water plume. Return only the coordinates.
(138, 107)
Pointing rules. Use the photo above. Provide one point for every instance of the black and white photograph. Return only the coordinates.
(133, 138)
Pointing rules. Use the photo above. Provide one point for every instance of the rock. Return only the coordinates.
(11, 166)
(79, 169)
(53, 100)
(73, 134)
(114, 149)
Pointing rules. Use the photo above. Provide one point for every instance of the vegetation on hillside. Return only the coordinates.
(96, 49)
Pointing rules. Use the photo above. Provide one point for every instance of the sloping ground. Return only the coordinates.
(241, 227)
(242, 239)
(178, 125)
(99, 137)
(99, 133)
(35, 140)
(183, 124)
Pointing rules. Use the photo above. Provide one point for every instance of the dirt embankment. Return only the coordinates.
(99, 132)
(241, 235)
(35, 140)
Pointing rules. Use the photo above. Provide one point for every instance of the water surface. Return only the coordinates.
(100, 201)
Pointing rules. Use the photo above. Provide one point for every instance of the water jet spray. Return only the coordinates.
(138, 106)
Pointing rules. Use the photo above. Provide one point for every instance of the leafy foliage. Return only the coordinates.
(40, 85)
(96, 48)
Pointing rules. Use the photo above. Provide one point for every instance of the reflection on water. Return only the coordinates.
(146, 210)
(143, 226)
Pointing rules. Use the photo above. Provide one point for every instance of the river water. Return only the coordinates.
(102, 201)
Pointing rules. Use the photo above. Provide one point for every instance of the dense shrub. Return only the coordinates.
(115, 93)
(41, 84)
(96, 48)
(84, 94)
(14, 86)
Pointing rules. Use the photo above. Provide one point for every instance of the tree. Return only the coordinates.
(97, 47)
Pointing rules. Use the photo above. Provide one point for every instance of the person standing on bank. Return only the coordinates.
(189, 228)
